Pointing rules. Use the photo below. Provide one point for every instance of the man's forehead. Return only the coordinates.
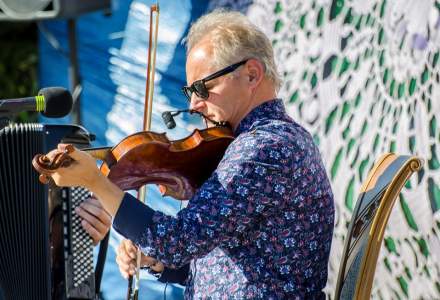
(201, 51)
(198, 53)
(199, 61)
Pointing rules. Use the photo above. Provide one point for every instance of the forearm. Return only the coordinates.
(109, 194)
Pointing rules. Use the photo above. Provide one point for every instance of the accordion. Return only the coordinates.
(44, 251)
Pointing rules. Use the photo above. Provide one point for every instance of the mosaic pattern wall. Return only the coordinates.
(363, 77)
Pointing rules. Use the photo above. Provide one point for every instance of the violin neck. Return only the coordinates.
(98, 153)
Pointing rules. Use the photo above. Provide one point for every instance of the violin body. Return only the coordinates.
(179, 167)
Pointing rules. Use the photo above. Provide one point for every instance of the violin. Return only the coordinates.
(178, 167)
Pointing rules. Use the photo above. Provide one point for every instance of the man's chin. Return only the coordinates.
(209, 121)
(210, 124)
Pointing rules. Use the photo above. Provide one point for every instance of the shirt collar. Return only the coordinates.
(273, 109)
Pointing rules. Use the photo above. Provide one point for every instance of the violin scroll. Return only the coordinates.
(46, 165)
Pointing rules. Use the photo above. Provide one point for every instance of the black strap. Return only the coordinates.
(99, 269)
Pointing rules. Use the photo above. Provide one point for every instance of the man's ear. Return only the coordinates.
(251, 77)
(255, 71)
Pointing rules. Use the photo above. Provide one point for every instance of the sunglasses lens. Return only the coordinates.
(200, 89)
(187, 92)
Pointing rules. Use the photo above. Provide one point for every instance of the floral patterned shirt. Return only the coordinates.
(259, 228)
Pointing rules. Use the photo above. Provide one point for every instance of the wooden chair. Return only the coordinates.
(366, 230)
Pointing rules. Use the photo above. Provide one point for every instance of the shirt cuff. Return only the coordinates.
(175, 275)
(132, 218)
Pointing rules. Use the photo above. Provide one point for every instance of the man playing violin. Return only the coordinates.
(261, 226)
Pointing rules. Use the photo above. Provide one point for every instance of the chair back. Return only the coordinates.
(367, 226)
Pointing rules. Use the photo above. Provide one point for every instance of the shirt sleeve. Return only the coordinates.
(249, 183)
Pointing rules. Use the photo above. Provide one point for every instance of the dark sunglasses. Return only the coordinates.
(199, 86)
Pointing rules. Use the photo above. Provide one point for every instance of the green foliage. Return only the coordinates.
(18, 63)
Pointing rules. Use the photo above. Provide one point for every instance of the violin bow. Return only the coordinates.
(148, 106)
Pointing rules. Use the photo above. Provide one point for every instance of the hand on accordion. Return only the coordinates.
(95, 219)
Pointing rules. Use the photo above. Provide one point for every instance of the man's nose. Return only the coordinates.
(196, 102)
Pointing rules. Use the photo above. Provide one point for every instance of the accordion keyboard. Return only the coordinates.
(78, 246)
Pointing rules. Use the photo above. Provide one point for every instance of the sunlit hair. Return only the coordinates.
(234, 38)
